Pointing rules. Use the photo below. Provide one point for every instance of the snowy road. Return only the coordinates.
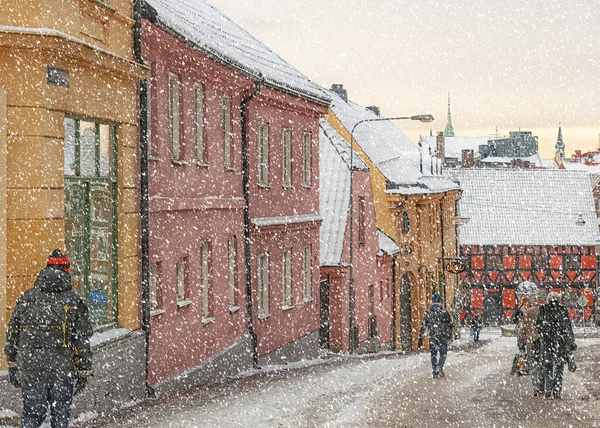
(389, 391)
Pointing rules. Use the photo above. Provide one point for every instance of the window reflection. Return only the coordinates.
(87, 148)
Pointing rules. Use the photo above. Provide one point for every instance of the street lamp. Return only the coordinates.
(424, 118)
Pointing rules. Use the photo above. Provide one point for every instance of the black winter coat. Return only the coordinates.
(439, 323)
(556, 332)
(49, 330)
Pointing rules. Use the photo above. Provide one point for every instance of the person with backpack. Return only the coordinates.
(48, 345)
(438, 322)
(557, 343)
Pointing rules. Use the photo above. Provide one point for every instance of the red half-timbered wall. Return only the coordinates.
(489, 283)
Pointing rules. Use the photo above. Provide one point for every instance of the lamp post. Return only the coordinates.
(424, 118)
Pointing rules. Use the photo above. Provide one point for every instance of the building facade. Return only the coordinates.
(69, 173)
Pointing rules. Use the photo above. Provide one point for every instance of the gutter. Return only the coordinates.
(246, 191)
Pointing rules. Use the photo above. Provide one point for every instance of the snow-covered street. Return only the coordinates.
(387, 390)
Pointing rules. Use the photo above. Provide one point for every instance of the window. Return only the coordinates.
(199, 123)
(263, 154)
(540, 261)
(155, 298)
(91, 202)
(307, 273)
(263, 285)
(286, 166)
(205, 279)
(286, 269)
(571, 261)
(151, 149)
(231, 267)
(180, 285)
(493, 262)
(405, 223)
(361, 220)
(307, 159)
(226, 128)
(174, 109)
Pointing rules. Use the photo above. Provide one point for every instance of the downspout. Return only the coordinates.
(246, 192)
(144, 211)
(394, 301)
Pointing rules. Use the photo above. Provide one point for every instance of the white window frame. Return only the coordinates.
(181, 291)
(307, 273)
(205, 281)
(286, 158)
(174, 116)
(226, 130)
(231, 273)
(307, 159)
(263, 154)
(263, 286)
(199, 124)
(286, 279)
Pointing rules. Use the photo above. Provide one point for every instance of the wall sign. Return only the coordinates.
(455, 266)
(58, 76)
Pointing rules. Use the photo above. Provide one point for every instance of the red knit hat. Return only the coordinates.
(59, 260)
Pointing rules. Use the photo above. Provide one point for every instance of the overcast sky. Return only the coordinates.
(511, 63)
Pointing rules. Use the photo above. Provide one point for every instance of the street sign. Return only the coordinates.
(455, 266)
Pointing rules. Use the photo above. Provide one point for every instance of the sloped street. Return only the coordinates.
(390, 390)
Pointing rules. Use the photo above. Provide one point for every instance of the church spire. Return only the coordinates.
(449, 132)
(560, 145)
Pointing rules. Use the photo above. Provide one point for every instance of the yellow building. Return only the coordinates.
(68, 152)
(414, 205)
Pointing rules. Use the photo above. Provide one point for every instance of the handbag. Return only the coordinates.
(571, 364)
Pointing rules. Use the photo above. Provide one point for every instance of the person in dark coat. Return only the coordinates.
(476, 325)
(557, 342)
(438, 322)
(48, 345)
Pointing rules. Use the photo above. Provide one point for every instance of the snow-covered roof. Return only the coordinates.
(387, 246)
(453, 146)
(581, 166)
(210, 31)
(392, 152)
(535, 159)
(526, 207)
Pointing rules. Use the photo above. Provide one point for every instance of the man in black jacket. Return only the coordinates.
(48, 346)
(557, 342)
(439, 323)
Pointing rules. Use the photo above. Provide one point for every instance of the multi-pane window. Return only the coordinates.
(286, 163)
(180, 286)
(572, 261)
(263, 285)
(493, 262)
(174, 113)
(90, 183)
(199, 123)
(155, 303)
(263, 154)
(226, 129)
(286, 273)
(362, 209)
(205, 278)
(307, 159)
(540, 261)
(149, 101)
(231, 267)
(405, 223)
(307, 272)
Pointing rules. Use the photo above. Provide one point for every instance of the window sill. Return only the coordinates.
(307, 186)
(264, 186)
(202, 164)
(208, 320)
(233, 309)
(287, 307)
(105, 5)
(230, 169)
(153, 158)
(287, 186)
(307, 299)
(179, 162)
(184, 303)
(263, 316)
(156, 312)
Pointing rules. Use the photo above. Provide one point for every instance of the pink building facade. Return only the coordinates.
(201, 325)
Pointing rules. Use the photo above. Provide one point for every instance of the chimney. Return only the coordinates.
(375, 110)
(338, 88)
(440, 147)
(468, 158)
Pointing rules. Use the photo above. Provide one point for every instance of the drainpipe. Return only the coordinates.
(246, 191)
(394, 311)
(144, 211)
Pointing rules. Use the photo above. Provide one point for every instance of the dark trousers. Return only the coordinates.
(537, 372)
(553, 377)
(36, 398)
(436, 348)
(476, 335)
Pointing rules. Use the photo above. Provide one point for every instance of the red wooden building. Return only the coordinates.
(537, 226)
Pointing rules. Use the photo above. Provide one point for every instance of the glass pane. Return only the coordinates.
(69, 146)
(105, 150)
(75, 231)
(87, 148)
(101, 299)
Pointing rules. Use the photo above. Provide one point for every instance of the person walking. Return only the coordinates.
(476, 325)
(529, 342)
(438, 322)
(48, 345)
(557, 343)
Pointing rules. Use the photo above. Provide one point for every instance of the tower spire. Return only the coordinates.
(560, 145)
(449, 132)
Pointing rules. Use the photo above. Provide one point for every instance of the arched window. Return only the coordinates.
(405, 223)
